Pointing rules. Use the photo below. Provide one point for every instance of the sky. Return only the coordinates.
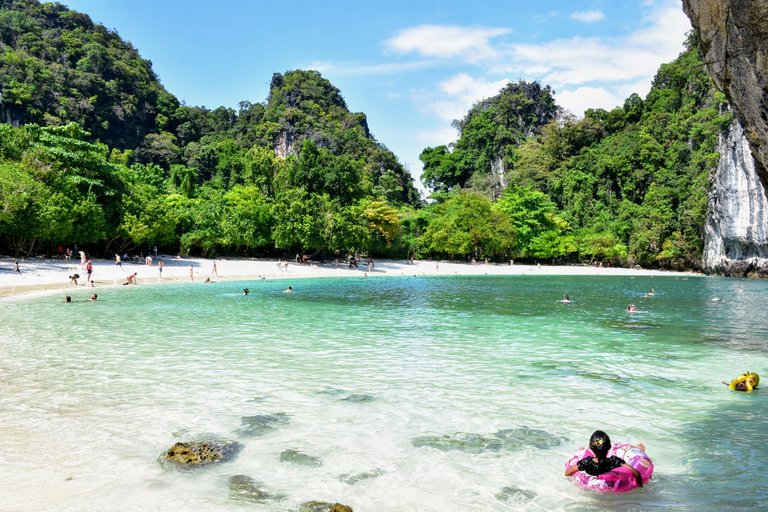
(411, 66)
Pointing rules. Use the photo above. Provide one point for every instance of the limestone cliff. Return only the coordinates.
(734, 38)
(736, 227)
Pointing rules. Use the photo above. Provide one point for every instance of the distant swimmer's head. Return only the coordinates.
(246, 291)
(741, 386)
(94, 297)
(567, 297)
(600, 443)
(67, 299)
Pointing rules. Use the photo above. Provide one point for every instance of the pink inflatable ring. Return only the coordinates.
(618, 480)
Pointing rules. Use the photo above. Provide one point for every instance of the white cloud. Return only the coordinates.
(582, 98)
(586, 61)
(441, 137)
(588, 16)
(455, 96)
(467, 43)
(357, 68)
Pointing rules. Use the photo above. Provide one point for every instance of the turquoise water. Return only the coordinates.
(416, 393)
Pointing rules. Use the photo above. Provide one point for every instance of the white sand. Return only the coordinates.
(43, 274)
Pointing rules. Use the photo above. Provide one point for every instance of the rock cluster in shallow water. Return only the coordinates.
(261, 424)
(508, 439)
(300, 459)
(201, 453)
(319, 506)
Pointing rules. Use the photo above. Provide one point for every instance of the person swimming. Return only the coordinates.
(599, 444)
(246, 291)
(631, 308)
(288, 290)
(747, 381)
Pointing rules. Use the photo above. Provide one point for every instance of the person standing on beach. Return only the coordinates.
(118, 261)
(214, 270)
(89, 270)
(16, 269)
(160, 268)
(192, 272)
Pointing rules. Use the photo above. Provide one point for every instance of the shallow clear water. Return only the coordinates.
(401, 386)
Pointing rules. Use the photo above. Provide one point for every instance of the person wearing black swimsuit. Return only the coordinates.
(600, 443)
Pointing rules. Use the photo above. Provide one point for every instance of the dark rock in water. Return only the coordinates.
(300, 459)
(345, 396)
(319, 506)
(509, 439)
(521, 437)
(351, 479)
(201, 453)
(515, 495)
(261, 424)
(244, 488)
(461, 441)
(360, 399)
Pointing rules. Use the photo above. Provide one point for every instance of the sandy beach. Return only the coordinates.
(50, 274)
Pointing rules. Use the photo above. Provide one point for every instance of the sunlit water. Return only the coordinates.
(400, 386)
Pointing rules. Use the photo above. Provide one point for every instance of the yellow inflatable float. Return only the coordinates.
(748, 379)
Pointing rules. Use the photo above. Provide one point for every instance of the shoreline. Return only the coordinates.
(46, 275)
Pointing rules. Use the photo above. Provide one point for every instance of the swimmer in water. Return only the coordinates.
(745, 382)
(94, 297)
(566, 298)
(600, 464)
(288, 290)
(246, 291)
(67, 299)
(631, 308)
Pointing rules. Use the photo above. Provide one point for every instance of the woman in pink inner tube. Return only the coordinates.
(606, 467)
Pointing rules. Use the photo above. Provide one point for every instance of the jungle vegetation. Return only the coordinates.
(95, 151)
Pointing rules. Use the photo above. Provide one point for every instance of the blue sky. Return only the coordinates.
(410, 66)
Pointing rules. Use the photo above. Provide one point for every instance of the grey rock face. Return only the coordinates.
(734, 37)
(736, 226)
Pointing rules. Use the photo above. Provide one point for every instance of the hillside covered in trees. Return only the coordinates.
(95, 151)
(626, 185)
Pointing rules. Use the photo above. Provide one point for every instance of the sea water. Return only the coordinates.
(411, 393)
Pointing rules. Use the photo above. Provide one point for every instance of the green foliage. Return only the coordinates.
(467, 225)
(626, 185)
(489, 134)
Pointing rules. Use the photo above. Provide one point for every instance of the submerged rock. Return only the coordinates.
(351, 479)
(461, 441)
(523, 436)
(261, 424)
(244, 488)
(509, 439)
(300, 459)
(201, 453)
(360, 399)
(346, 396)
(515, 495)
(320, 506)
